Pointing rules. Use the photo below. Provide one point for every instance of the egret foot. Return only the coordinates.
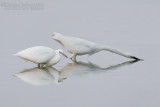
(73, 58)
(41, 65)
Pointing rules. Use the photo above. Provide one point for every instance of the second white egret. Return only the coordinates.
(78, 46)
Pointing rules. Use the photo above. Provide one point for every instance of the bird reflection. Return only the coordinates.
(80, 69)
(48, 75)
(39, 76)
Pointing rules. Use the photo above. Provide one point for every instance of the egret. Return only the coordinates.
(41, 55)
(77, 46)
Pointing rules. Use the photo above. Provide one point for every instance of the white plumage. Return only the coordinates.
(41, 55)
(77, 46)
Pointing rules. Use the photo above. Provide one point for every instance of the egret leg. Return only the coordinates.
(73, 57)
(40, 65)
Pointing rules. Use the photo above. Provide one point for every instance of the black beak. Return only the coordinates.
(63, 54)
(133, 57)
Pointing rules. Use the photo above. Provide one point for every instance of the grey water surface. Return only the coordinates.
(102, 80)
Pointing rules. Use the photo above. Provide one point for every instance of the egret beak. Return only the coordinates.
(133, 57)
(63, 54)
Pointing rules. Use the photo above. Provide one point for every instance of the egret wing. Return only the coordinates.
(77, 45)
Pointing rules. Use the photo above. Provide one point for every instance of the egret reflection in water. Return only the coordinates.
(39, 76)
(80, 69)
(48, 75)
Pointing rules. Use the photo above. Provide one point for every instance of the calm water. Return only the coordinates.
(105, 79)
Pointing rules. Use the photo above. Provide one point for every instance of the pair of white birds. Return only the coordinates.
(45, 56)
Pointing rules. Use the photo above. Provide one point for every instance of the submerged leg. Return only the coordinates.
(74, 58)
(40, 65)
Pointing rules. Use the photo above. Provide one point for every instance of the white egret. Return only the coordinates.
(41, 55)
(78, 46)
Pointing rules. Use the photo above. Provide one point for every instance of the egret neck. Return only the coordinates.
(106, 48)
(55, 59)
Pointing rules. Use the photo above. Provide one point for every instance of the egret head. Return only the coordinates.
(61, 53)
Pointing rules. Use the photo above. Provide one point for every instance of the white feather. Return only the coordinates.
(40, 55)
(78, 46)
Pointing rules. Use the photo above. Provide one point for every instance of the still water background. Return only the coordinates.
(131, 26)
